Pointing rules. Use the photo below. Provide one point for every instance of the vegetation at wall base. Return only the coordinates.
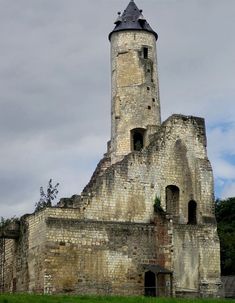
(25, 298)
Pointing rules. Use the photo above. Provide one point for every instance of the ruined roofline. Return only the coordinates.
(198, 123)
(155, 137)
(199, 120)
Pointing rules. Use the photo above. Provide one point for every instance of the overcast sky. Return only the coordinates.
(55, 87)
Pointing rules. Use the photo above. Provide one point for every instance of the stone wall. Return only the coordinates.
(28, 265)
(73, 255)
(95, 257)
(103, 243)
(175, 156)
(99, 257)
(10, 266)
(196, 260)
(135, 92)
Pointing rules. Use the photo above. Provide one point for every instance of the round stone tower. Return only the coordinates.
(135, 90)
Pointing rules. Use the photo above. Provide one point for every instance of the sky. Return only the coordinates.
(55, 88)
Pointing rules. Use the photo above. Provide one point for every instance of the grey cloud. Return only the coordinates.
(55, 84)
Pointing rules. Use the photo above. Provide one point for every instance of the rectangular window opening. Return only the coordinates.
(145, 50)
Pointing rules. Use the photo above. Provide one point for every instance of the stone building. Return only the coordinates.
(145, 223)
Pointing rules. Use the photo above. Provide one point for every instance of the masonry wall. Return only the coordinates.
(176, 156)
(196, 260)
(59, 251)
(10, 266)
(102, 243)
(135, 92)
(91, 257)
(29, 254)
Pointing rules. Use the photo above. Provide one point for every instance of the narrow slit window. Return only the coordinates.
(146, 51)
(192, 212)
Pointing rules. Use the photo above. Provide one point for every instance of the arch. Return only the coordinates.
(192, 212)
(150, 284)
(137, 139)
(172, 199)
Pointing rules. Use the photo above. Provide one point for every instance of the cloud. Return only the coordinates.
(221, 150)
(55, 87)
(229, 190)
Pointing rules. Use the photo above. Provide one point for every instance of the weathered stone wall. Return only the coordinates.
(102, 243)
(71, 255)
(29, 254)
(10, 265)
(95, 257)
(135, 91)
(176, 156)
(164, 241)
(196, 260)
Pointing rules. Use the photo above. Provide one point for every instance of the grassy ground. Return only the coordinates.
(4, 298)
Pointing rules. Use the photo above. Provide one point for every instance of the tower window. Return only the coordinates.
(172, 199)
(145, 52)
(137, 139)
(192, 212)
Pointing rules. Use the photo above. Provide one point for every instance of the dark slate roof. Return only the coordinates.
(132, 19)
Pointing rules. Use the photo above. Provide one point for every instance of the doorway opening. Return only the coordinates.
(150, 284)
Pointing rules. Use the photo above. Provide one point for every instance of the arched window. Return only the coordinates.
(192, 212)
(172, 199)
(137, 139)
(150, 284)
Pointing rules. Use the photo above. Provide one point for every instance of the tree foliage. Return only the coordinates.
(157, 205)
(47, 197)
(225, 215)
(4, 223)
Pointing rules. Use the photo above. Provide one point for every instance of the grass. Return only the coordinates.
(25, 298)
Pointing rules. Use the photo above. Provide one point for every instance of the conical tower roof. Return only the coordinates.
(132, 19)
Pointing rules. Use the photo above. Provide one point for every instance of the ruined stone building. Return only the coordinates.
(145, 223)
